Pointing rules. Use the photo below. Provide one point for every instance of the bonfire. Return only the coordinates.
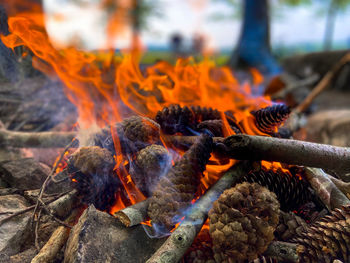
(185, 156)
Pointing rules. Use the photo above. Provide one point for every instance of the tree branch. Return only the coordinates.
(181, 239)
(325, 189)
(35, 139)
(133, 215)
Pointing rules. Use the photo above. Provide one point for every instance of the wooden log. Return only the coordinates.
(325, 189)
(133, 215)
(57, 240)
(181, 239)
(35, 139)
(255, 148)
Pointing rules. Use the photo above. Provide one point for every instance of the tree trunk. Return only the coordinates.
(330, 24)
(253, 49)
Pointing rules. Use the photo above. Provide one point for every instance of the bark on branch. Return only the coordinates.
(325, 189)
(181, 239)
(35, 139)
(255, 148)
(133, 215)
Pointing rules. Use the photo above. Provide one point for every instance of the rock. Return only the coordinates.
(24, 174)
(99, 237)
(15, 232)
(330, 127)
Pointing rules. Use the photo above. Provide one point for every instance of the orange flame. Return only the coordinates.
(105, 88)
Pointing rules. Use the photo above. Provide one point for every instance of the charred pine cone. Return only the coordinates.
(175, 119)
(175, 191)
(91, 172)
(289, 226)
(215, 128)
(270, 118)
(291, 190)
(134, 134)
(150, 165)
(242, 222)
(326, 240)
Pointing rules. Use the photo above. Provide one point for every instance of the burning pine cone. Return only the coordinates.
(326, 240)
(91, 171)
(176, 190)
(270, 118)
(150, 165)
(291, 191)
(242, 222)
(134, 134)
(175, 119)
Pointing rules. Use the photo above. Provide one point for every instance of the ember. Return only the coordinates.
(183, 150)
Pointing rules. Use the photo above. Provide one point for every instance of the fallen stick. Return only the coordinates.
(182, 238)
(255, 148)
(58, 205)
(57, 240)
(325, 189)
(323, 84)
(35, 139)
(133, 215)
(282, 251)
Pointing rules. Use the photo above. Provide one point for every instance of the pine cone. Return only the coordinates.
(201, 251)
(91, 171)
(270, 118)
(175, 119)
(134, 134)
(177, 188)
(291, 190)
(289, 226)
(242, 222)
(327, 239)
(150, 165)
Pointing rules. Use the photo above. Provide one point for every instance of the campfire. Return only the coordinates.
(183, 163)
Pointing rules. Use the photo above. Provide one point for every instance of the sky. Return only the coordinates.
(69, 20)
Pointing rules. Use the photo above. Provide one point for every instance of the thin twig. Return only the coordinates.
(181, 239)
(50, 176)
(36, 242)
(323, 84)
(133, 215)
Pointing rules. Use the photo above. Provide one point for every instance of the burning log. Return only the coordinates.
(176, 190)
(57, 240)
(181, 239)
(256, 148)
(291, 190)
(242, 222)
(325, 189)
(269, 118)
(133, 215)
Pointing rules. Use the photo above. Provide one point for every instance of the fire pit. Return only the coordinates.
(169, 163)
